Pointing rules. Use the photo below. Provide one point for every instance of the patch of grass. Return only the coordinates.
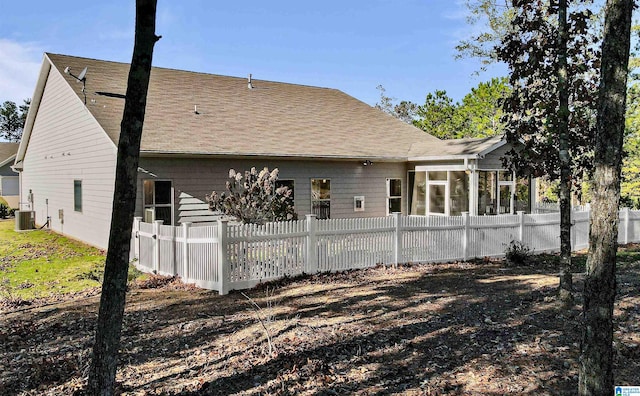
(628, 256)
(42, 263)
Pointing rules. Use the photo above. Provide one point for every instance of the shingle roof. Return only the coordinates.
(273, 119)
(454, 147)
(7, 150)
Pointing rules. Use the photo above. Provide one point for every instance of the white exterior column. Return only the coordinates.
(473, 193)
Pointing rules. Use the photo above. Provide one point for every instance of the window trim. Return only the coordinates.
(153, 205)
(324, 180)
(77, 195)
(390, 197)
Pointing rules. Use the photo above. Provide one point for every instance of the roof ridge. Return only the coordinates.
(195, 72)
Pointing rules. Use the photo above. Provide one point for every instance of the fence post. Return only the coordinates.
(625, 214)
(397, 239)
(156, 245)
(521, 228)
(185, 251)
(572, 223)
(223, 265)
(136, 236)
(465, 236)
(312, 245)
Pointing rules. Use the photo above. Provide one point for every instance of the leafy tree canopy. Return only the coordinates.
(493, 18)
(477, 115)
(630, 185)
(531, 112)
(439, 116)
(12, 119)
(404, 111)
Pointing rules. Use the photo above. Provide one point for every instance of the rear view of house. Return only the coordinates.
(341, 157)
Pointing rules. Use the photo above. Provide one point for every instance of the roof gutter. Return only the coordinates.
(445, 157)
(157, 153)
(17, 167)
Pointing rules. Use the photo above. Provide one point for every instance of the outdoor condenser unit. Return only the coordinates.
(25, 220)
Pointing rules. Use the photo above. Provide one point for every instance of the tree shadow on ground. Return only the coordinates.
(466, 328)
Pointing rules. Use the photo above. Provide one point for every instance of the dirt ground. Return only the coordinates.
(479, 328)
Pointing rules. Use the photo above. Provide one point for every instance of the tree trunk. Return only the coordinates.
(596, 360)
(102, 371)
(566, 281)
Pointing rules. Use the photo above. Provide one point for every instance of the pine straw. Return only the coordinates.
(449, 329)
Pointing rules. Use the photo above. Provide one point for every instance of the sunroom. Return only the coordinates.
(466, 175)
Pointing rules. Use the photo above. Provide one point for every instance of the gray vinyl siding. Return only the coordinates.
(199, 177)
(67, 144)
(6, 169)
(8, 180)
(9, 185)
(493, 160)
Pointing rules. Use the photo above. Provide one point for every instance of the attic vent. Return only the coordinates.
(249, 85)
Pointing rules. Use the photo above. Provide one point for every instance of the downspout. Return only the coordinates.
(18, 170)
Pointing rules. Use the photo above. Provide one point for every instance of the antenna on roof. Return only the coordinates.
(249, 82)
(83, 74)
(82, 77)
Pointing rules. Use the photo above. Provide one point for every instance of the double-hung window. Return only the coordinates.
(321, 198)
(158, 201)
(394, 195)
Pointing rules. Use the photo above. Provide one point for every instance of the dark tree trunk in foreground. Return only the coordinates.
(102, 372)
(596, 360)
(566, 281)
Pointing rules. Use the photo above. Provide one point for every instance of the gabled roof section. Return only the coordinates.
(455, 148)
(196, 113)
(8, 152)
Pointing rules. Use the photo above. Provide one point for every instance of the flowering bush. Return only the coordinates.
(254, 198)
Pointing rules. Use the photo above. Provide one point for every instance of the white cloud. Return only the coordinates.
(19, 67)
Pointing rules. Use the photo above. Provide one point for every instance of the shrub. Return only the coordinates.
(517, 253)
(254, 198)
(4, 211)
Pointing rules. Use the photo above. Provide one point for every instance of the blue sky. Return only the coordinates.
(407, 46)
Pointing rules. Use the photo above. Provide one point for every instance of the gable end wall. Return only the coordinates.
(67, 144)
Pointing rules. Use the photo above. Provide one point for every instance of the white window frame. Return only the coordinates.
(390, 197)
(446, 183)
(153, 205)
(324, 180)
(75, 197)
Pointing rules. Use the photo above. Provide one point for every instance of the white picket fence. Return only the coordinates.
(226, 257)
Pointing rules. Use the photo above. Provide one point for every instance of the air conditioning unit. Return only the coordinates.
(25, 220)
(149, 215)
